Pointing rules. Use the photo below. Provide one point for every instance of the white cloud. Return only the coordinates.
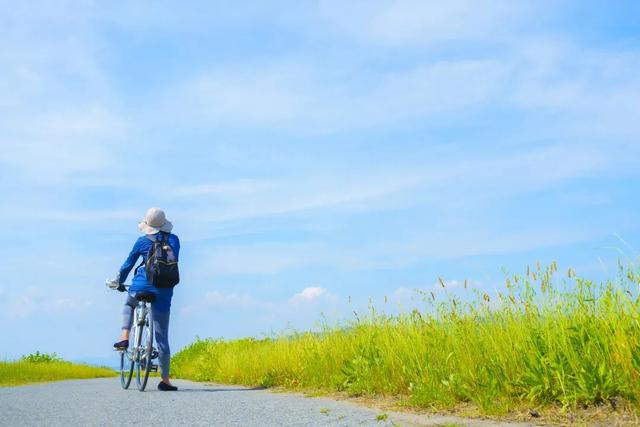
(310, 294)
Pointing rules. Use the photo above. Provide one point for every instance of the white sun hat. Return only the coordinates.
(155, 221)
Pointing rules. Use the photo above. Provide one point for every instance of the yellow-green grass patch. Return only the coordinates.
(543, 341)
(24, 372)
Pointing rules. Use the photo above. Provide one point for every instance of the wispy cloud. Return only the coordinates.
(77, 216)
(258, 258)
(232, 189)
(299, 98)
(213, 300)
(414, 22)
(36, 299)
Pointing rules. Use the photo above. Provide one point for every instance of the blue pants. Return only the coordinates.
(160, 328)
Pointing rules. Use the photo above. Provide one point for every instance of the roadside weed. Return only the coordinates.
(43, 367)
(38, 357)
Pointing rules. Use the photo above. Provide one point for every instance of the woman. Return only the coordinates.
(154, 225)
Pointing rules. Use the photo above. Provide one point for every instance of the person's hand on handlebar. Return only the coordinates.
(115, 284)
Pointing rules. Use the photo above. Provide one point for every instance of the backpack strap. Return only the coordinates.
(139, 265)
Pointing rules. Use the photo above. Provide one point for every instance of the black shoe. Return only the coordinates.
(166, 387)
(121, 345)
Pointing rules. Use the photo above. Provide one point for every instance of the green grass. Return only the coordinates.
(43, 367)
(545, 340)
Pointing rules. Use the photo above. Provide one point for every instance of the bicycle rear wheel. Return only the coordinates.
(145, 350)
(126, 368)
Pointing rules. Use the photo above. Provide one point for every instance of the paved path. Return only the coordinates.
(101, 402)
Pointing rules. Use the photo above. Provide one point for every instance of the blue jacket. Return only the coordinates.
(139, 283)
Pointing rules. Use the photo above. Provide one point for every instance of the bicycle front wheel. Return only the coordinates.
(145, 350)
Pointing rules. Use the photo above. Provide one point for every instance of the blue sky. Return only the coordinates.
(308, 153)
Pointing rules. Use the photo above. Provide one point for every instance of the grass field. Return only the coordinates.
(549, 339)
(42, 367)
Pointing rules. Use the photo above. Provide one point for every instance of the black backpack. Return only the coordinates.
(161, 266)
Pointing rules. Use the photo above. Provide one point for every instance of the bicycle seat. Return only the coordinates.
(146, 296)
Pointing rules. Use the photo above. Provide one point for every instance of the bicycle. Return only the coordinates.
(140, 353)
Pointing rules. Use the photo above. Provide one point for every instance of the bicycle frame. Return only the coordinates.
(140, 317)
